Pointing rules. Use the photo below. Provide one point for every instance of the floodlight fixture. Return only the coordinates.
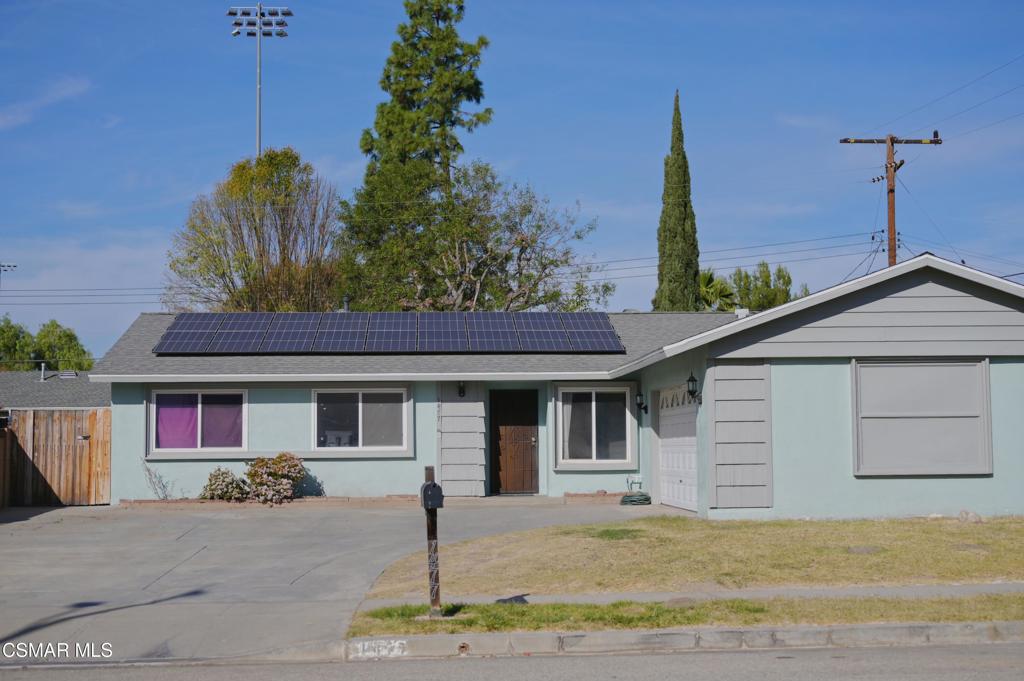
(260, 27)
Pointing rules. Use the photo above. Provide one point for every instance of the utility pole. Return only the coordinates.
(259, 22)
(891, 166)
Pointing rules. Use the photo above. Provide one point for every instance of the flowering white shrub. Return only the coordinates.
(223, 484)
(274, 481)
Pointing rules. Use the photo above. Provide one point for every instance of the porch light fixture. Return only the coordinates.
(640, 404)
(691, 387)
(462, 389)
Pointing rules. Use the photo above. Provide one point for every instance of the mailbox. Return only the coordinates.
(431, 496)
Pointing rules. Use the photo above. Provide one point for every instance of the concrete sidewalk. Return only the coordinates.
(721, 593)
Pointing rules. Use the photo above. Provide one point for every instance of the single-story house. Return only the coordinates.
(25, 390)
(898, 393)
(55, 442)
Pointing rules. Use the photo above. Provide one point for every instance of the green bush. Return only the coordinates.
(274, 481)
(223, 484)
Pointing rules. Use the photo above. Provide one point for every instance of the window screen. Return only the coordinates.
(922, 418)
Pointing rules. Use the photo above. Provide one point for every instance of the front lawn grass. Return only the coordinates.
(670, 553)
(410, 619)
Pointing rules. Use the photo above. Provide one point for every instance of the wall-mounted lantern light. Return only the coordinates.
(640, 404)
(462, 389)
(691, 387)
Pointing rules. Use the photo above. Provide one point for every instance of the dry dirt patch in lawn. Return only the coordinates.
(409, 619)
(672, 553)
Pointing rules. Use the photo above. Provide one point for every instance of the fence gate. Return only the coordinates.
(59, 457)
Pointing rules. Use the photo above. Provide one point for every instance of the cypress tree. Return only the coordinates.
(678, 267)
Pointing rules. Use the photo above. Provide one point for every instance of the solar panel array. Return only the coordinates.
(250, 333)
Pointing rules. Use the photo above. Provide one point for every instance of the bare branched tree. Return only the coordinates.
(263, 240)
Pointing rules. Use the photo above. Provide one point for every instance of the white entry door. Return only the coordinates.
(677, 429)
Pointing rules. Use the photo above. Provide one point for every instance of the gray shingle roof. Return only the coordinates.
(641, 334)
(24, 390)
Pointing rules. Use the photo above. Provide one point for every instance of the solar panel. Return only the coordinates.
(388, 332)
(341, 332)
(241, 333)
(541, 332)
(591, 332)
(291, 332)
(190, 332)
(442, 332)
(391, 332)
(492, 332)
(197, 321)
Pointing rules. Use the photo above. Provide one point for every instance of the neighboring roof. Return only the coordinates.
(925, 260)
(132, 358)
(24, 390)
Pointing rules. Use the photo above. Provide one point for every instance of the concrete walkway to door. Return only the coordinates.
(163, 583)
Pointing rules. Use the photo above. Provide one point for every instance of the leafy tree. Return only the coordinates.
(262, 241)
(715, 292)
(764, 289)
(60, 348)
(15, 346)
(490, 246)
(430, 74)
(678, 252)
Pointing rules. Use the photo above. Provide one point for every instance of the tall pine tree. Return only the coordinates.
(430, 75)
(678, 268)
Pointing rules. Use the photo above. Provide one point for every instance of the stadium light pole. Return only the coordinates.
(6, 267)
(259, 22)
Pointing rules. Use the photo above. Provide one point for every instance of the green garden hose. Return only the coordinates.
(636, 499)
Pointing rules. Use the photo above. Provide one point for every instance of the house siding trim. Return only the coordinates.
(741, 471)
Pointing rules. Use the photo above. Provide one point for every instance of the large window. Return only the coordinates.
(195, 420)
(360, 419)
(595, 426)
(922, 418)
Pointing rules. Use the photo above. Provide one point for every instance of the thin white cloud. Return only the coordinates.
(78, 209)
(111, 121)
(805, 122)
(19, 113)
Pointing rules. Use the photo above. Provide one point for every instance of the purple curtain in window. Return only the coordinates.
(176, 420)
(222, 420)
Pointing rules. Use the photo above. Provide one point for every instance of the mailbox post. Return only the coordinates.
(432, 498)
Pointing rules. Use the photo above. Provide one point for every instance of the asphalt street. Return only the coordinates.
(990, 662)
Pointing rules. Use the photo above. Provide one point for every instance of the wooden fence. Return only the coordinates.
(6, 454)
(57, 457)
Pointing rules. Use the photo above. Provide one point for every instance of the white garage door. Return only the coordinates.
(677, 428)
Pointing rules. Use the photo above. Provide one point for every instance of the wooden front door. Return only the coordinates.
(513, 426)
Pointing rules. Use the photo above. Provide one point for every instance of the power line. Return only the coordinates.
(731, 257)
(951, 92)
(988, 125)
(733, 267)
(970, 108)
(976, 254)
(928, 215)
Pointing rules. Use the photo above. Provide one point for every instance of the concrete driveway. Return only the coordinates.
(164, 583)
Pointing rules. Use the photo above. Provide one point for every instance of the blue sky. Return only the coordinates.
(114, 116)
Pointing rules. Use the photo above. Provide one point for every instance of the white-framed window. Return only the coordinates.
(361, 419)
(596, 427)
(198, 420)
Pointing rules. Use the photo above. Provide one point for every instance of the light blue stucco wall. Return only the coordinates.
(279, 419)
(812, 452)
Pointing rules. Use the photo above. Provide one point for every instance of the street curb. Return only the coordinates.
(679, 640)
